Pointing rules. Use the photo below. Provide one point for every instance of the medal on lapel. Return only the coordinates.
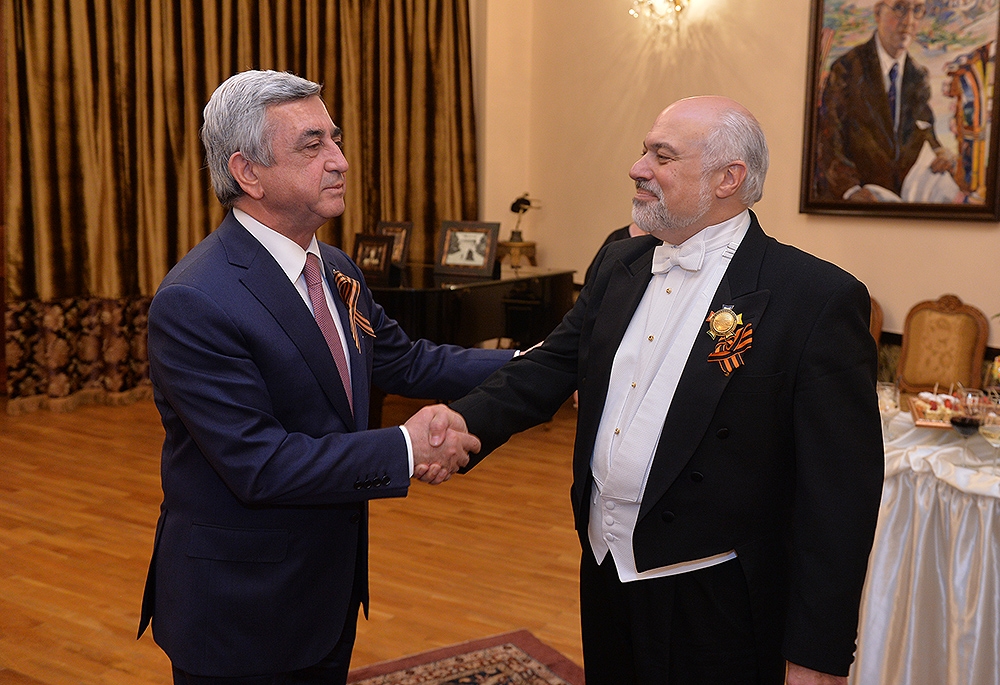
(732, 336)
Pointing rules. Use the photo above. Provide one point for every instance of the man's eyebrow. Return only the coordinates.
(319, 133)
(664, 147)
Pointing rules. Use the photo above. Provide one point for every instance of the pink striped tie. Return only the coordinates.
(314, 282)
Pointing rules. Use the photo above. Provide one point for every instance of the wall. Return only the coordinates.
(597, 80)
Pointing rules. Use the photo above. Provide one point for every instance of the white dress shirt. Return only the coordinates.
(644, 376)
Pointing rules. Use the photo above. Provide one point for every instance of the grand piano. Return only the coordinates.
(523, 304)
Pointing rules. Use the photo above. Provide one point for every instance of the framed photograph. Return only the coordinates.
(900, 113)
(467, 248)
(373, 253)
(400, 232)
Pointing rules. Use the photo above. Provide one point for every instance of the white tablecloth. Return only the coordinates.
(930, 614)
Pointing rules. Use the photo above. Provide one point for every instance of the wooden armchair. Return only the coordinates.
(944, 342)
(875, 321)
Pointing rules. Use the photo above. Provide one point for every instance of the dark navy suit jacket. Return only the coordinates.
(262, 535)
(781, 460)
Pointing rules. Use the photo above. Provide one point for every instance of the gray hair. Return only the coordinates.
(236, 121)
(737, 135)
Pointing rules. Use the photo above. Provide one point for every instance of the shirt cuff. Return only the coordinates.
(409, 448)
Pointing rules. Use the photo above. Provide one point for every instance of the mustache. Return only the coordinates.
(649, 187)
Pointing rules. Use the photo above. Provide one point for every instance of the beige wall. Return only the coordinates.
(567, 90)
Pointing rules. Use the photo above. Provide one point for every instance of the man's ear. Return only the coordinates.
(732, 179)
(245, 174)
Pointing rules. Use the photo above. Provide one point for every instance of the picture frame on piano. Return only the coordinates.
(467, 248)
(400, 232)
(373, 254)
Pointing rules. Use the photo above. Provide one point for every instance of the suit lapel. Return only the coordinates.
(268, 283)
(359, 364)
(702, 382)
(877, 97)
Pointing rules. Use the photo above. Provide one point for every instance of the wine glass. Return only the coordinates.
(989, 428)
(888, 404)
(971, 400)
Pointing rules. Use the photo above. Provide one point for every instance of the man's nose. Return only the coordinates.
(337, 161)
(640, 170)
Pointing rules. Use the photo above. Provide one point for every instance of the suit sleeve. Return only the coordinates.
(838, 483)
(529, 389)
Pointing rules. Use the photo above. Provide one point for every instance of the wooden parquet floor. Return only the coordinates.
(485, 553)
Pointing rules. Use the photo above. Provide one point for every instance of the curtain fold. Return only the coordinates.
(107, 187)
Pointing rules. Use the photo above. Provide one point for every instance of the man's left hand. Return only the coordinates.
(944, 161)
(800, 675)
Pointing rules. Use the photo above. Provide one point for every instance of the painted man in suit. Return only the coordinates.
(875, 114)
(728, 461)
(260, 557)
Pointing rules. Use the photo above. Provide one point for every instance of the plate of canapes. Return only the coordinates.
(933, 410)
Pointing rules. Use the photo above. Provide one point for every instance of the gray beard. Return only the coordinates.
(653, 217)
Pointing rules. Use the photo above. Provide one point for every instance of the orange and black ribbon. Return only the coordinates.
(349, 290)
(729, 351)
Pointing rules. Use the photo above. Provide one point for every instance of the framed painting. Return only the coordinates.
(467, 248)
(400, 232)
(373, 253)
(900, 114)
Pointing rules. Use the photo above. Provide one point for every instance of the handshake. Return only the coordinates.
(441, 443)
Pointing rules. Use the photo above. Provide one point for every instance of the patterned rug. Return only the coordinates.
(517, 658)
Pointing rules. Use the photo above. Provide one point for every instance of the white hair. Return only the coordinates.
(236, 121)
(737, 135)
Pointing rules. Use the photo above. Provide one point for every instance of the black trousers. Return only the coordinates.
(694, 628)
(331, 670)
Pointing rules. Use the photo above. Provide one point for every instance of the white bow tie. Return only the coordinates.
(688, 257)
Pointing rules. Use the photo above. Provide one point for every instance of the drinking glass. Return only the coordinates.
(971, 400)
(989, 428)
(888, 405)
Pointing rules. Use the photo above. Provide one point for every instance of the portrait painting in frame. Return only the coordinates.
(467, 248)
(400, 232)
(373, 254)
(900, 113)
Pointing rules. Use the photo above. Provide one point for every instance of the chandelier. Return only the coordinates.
(662, 13)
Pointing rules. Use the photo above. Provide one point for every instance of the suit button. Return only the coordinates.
(667, 516)
(722, 433)
(368, 483)
(355, 517)
(386, 480)
(358, 484)
(697, 476)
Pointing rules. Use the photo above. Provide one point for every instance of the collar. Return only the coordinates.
(717, 236)
(290, 257)
(886, 60)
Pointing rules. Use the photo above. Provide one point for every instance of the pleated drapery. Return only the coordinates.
(107, 186)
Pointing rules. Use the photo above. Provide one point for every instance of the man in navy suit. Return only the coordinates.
(875, 115)
(728, 462)
(260, 557)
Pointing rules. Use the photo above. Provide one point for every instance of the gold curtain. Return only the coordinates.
(106, 181)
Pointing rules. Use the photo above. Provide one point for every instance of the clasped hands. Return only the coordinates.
(441, 443)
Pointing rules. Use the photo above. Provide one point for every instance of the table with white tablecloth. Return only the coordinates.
(930, 614)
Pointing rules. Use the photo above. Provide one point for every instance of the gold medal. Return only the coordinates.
(723, 323)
